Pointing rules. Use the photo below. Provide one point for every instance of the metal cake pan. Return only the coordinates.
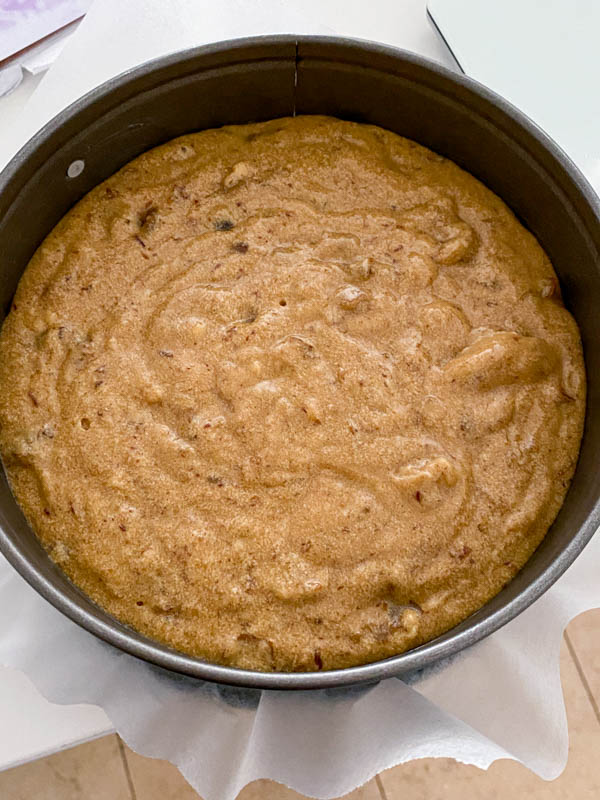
(258, 79)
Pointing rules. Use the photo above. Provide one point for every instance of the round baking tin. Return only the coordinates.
(258, 79)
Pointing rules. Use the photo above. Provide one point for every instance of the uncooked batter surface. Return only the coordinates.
(293, 395)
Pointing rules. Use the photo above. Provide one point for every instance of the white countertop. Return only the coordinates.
(32, 727)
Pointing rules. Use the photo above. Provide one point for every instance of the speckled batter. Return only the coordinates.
(293, 395)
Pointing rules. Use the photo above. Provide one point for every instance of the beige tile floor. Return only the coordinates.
(108, 770)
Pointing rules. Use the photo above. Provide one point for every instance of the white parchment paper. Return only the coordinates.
(500, 699)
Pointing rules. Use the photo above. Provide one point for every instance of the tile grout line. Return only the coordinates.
(582, 677)
(382, 791)
(132, 791)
